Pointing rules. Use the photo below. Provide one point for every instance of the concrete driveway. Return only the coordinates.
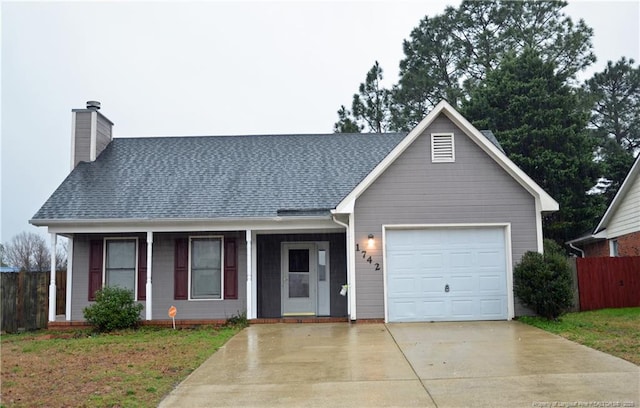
(475, 364)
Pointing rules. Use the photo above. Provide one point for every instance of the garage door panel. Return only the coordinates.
(472, 261)
(490, 283)
(460, 284)
(404, 286)
(492, 307)
(431, 285)
(433, 310)
(405, 309)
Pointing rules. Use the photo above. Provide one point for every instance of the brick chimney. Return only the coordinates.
(90, 133)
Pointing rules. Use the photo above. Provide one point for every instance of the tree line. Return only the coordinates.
(29, 251)
(511, 67)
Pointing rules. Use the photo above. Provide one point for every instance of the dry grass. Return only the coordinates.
(81, 369)
(613, 331)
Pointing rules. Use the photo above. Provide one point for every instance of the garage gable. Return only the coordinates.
(544, 201)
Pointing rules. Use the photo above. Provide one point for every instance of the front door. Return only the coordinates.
(299, 279)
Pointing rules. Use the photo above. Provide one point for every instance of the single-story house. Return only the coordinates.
(418, 226)
(618, 232)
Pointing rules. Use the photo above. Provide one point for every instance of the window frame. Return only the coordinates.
(614, 247)
(451, 159)
(189, 291)
(136, 257)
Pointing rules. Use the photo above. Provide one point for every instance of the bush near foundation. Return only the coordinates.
(115, 308)
(543, 282)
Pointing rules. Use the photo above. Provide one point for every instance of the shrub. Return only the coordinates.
(543, 282)
(115, 308)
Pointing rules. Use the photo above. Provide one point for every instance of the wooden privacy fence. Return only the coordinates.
(24, 297)
(609, 282)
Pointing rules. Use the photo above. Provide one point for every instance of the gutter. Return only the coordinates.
(577, 249)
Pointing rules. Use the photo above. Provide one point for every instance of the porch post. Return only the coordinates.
(52, 283)
(149, 303)
(249, 280)
(351, 271)
(67, 311)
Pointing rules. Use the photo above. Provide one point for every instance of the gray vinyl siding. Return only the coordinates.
(413, 190)
(269, 271)
(103, 134)
(82, 145)
(162, 280)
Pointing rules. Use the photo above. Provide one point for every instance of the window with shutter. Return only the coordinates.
(442, 148)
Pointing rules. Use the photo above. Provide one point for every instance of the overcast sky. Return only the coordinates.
(204, 68)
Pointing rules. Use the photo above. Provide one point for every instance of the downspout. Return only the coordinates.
(577, 249)
(349, 254)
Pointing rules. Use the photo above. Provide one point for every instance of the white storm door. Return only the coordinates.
(299, 279)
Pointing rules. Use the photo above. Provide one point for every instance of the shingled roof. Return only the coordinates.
(212, 177)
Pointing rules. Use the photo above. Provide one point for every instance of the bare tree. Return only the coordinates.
(28, 251)
(3, 255)
(61, 256)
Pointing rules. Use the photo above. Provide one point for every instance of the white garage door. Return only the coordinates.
(446, 274)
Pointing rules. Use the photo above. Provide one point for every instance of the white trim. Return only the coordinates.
(547, 202)
(94, 136)
(69, 289)
(507, 247)
(221, 238)
(112, 226)
(539, 231)
(249, 272)
(73, 140)
(148, 287)
(613, 248)
(324, 288)
(104, 262)
(619, 197)
(254, 275)
(451, 140)
(52, 279)
(351, 271)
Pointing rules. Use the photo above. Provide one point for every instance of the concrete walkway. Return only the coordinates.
(491, 364)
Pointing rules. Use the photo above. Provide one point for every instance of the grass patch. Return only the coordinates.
(133, 368)
(613, 331)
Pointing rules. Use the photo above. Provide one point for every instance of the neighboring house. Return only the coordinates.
(618, 232)
(421, 226)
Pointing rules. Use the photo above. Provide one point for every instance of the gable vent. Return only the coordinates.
(442, 148)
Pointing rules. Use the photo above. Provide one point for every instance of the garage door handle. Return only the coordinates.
(446, 288)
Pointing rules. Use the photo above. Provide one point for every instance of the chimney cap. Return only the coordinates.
(93, 105)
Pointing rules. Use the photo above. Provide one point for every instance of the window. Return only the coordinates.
(442, 148)
(613, 247)
(205, 277)
(120, 263)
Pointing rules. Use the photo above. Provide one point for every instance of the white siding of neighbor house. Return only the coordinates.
(413, 190)
(626, 218)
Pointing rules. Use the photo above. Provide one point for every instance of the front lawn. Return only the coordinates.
(122, 369)
(613, 331)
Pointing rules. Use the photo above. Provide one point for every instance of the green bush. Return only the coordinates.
(543, 282)
(115, 308)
